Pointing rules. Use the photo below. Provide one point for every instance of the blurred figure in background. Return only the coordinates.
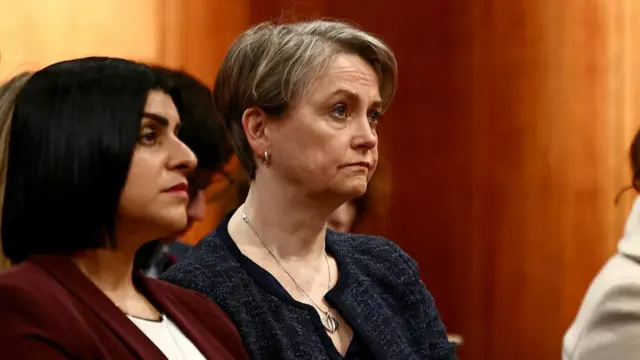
(206, 137)
(607, 326)
(8, 92)
(95, 170)
(343, 219)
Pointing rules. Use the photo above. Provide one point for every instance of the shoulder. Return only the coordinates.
(379, 268)
(170, 290)
(374, 254)
(33, 326)
(618, 273)
(179, 249)
(208, 265)
(28, 301)
(609, 318)
(187, 298)
(24, 282)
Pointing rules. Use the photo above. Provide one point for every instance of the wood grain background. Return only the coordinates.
(506, 143)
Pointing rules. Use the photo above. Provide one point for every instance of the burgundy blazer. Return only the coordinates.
(50, 310)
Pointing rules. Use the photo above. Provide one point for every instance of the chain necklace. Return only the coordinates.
(163, 321)
(329, 322)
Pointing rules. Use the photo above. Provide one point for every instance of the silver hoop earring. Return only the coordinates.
(265, 157)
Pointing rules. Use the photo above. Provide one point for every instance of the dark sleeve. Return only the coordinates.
(26, 330)
(439, 344)
(424, 305)
(190, 275)
(30, 347)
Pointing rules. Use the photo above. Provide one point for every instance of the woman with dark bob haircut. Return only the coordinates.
(94, 170)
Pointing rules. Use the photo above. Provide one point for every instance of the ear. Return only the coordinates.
(254, 124)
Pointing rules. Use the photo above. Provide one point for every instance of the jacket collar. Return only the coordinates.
(65, 272)
(629, 245)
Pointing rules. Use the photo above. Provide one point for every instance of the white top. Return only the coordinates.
(607, 325)
(168, 338)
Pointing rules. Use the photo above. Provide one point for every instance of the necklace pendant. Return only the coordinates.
(330, 323)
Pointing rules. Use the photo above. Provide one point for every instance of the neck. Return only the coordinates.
(291, 225)
(110, 270)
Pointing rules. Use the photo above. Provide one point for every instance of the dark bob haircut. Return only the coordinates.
(200, 129)
(74, 130)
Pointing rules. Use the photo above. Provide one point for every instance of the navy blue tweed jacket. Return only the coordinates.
(379, 293)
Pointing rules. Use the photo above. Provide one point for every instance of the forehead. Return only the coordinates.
(160, 103)
(347, 72)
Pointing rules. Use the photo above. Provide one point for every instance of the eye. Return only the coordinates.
(374, 117)
(339, 111)
(148, 137)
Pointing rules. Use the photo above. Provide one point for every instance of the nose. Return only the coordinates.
(182, 158)
(366, 137)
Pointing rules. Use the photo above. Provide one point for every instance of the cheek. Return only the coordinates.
(321, 162)
(302, 148)
(310, 149)
(374, 153)
(143, 169)
(139, 188)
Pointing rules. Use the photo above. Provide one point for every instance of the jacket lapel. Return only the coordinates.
(65, 272)
(190, 326)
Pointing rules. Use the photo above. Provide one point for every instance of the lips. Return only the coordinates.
(179, 188)
(363, 164)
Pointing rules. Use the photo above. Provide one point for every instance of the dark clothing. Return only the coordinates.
(179, 250)
(154, 258)
(379, 293)
(50, 310)
(356, 351)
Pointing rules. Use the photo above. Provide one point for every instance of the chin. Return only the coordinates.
(354, 189)
(178, 227)
(173, 224)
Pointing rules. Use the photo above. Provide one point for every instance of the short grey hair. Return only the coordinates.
(271, 65)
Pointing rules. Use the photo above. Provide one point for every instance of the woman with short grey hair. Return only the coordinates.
(302, 102)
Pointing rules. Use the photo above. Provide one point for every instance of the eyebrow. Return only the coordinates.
(157, 118)
(355, 97)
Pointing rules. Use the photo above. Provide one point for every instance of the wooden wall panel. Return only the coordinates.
(36, 33)
(205, 31)
(208, 29)
(507, 142)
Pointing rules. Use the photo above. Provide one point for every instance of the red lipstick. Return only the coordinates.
(179, 189)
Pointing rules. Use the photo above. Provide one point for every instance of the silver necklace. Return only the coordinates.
(329, 321)
(163, 320)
